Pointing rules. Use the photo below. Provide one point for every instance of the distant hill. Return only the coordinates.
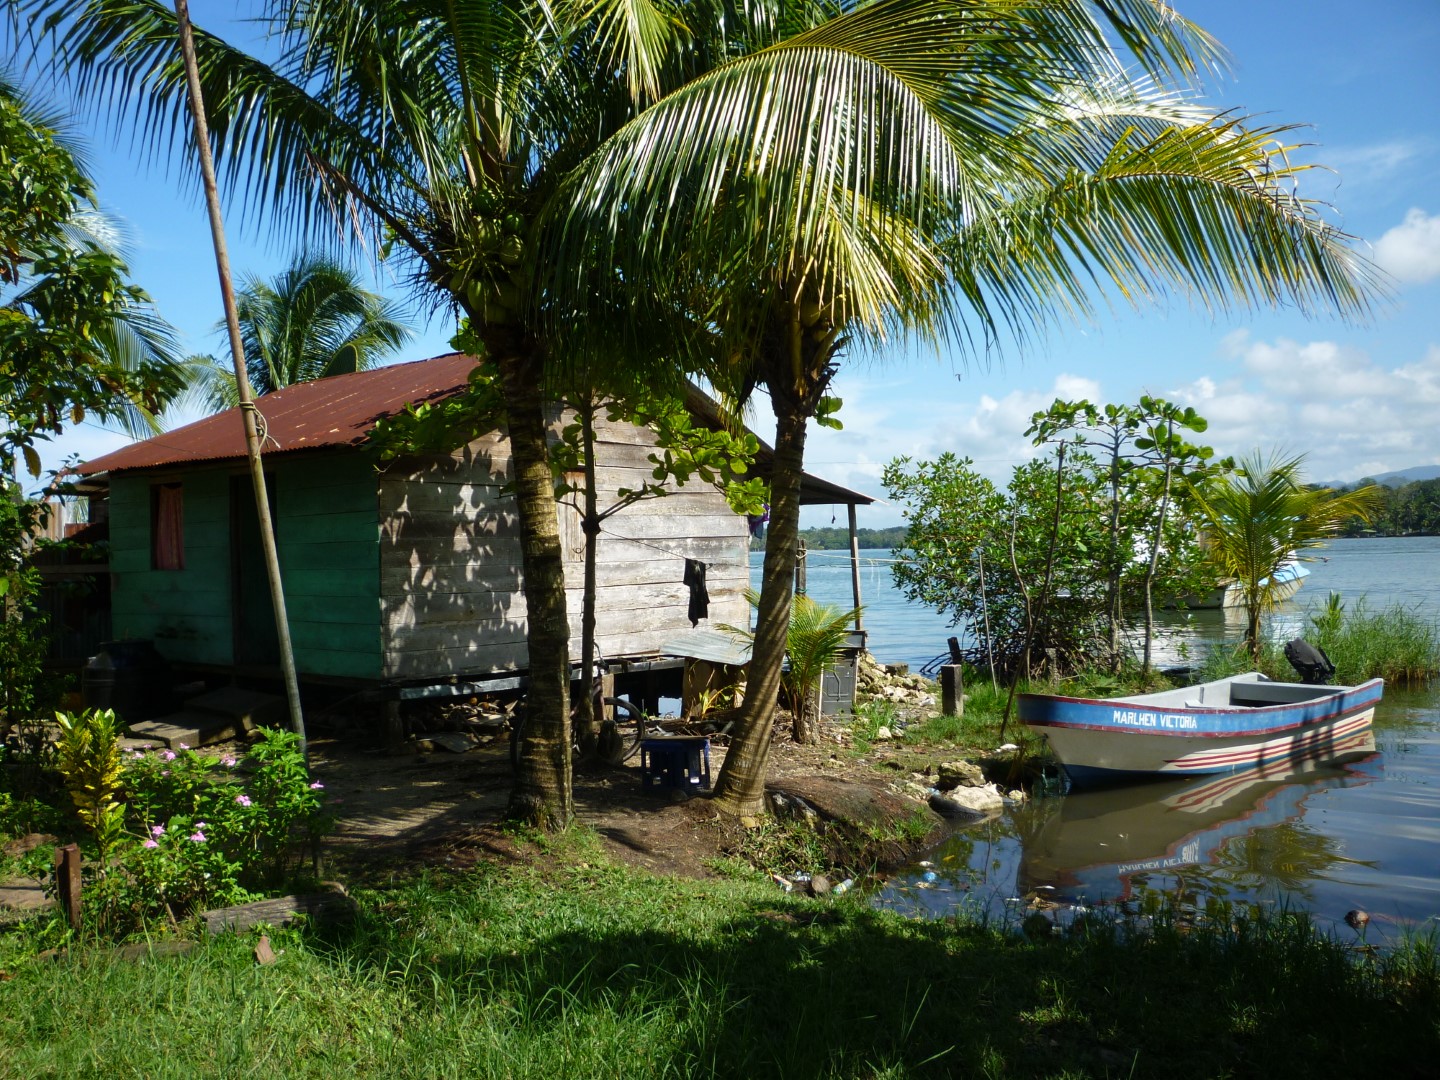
(1394, 479)
(1409, 476)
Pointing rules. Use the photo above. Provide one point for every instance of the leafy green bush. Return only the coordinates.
(180, 831)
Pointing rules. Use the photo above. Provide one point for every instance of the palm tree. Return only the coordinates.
(1262, 516)
(798, 178)
(814, 641)
(315, 319)
(440, 133)
(944, 170)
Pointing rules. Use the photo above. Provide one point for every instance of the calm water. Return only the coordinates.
(1362, 833)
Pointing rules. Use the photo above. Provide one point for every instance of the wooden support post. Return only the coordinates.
(67, 882)
(394, 724)
(607, 690)
(952, 690)
(955, 657)
(855, 567)
(800, 561)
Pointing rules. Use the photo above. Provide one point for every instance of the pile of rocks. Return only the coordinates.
(893, 683)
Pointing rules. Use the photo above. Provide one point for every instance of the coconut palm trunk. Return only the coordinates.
(740, 788)
(541, 796)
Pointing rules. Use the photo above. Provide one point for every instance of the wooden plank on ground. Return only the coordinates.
(281, 911)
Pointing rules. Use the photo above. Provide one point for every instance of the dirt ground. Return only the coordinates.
(442, 808)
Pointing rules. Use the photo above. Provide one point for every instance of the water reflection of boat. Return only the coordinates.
(1224, 726)
(1094, 843)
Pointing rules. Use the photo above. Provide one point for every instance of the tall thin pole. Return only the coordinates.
(242, 380)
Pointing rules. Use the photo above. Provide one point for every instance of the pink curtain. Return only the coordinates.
(169, 534)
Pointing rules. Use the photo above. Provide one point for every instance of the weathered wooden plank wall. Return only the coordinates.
(450, 582)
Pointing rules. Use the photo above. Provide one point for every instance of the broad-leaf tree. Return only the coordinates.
(77, 340)
(1261, 517)
(76, 337)
(315, 319)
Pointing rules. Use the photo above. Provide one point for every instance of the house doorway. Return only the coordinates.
(256, 642)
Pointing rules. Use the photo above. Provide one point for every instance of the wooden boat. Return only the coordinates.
(1223, 726)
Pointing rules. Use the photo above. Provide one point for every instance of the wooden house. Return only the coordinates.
(399, 574)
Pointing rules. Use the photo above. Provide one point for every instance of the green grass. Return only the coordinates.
(980, 728)
(1396, 644)
(596, 970)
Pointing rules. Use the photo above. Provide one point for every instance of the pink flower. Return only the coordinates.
(316, 786)
(168, 755)
(183, 746)
(157, 830)
(197, 837)
(228, 762)
(150, 843)
(243, 800)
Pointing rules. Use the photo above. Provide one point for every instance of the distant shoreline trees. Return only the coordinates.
(1411, 509)
(834, 538)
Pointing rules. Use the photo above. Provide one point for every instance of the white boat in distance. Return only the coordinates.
(1223, 726)
(1288, 578)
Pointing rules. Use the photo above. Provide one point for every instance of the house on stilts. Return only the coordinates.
(401, 577)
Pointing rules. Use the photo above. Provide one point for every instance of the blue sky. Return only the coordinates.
(1358, 400)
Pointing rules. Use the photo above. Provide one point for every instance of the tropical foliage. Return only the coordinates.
(77, 341)
(814, 640)
(1260, 517)
(752, 191)
(174, 831)
(982, 554)
(1407, 510)
(953, 171)
(76, 337)
(315, 319)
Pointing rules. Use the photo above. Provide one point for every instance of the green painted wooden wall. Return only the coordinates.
(327, 521)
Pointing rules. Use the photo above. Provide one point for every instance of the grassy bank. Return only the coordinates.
(582, 968)
(1396, 644)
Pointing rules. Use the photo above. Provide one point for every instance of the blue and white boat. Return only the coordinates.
(1224, 726)
(1283, 585)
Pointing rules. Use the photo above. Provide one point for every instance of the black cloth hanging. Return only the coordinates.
(699, 597)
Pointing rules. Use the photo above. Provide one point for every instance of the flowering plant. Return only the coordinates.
(202, 830)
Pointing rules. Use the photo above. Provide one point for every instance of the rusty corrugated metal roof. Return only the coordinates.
(341, 410)
(338, 411)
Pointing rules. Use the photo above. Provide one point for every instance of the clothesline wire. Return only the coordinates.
(811, 554)
(645, 543)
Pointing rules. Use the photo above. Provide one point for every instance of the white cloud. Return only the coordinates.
(1316, 369)
(1411, 250)
(1369, 164)
(1350, 415)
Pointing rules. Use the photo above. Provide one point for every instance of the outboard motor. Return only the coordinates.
(1311, 662)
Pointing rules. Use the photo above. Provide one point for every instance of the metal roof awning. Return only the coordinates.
(716, 646)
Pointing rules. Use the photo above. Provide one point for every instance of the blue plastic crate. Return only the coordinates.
(679, 763)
